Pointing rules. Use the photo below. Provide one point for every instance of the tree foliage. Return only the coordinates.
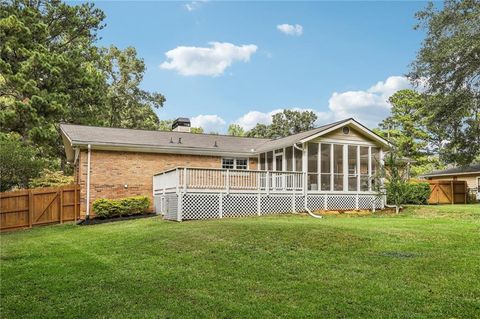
(407, 128)
(448, 65)
(285, 123)
(19, 160)
(236, 130)
(52, 72)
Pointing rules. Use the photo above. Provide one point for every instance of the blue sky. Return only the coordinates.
(238, 62)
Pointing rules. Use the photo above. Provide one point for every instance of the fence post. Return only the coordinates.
(453, 192)
(75, 203)
(30, 208)
(61, 205)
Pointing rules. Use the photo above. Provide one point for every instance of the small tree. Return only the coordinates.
(19, 162)
(50, 178)
(394, 172)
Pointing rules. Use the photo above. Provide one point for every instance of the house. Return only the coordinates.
(470, 174)
(190, 176)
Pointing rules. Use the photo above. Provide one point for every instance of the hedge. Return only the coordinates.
(416, 193)
(107, 208)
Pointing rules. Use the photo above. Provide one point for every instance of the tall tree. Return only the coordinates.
(127, 105)
(285, 123)
(51, 71)
(406, 128)
(448, 64)
(236, 130)
(48, 68)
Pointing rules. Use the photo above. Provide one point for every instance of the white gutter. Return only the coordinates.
(88, 181)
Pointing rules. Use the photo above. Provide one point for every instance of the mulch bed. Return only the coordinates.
(96, 221)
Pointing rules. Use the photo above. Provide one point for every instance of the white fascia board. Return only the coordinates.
(451, 174)
(360, 127)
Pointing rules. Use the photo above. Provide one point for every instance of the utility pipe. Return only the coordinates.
(88, 181)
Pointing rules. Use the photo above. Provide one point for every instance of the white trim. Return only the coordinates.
(345, 167)
(346, 142)
(88, 181)
(354, 123)
(451, 174)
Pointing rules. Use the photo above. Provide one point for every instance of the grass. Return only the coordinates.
(422, 263)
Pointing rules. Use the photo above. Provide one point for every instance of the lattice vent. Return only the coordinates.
(276, 204)
(316, 202)
(240, 205)
(200, 206)
(341, 202)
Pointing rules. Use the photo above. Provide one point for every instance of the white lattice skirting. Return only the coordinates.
(187, 206)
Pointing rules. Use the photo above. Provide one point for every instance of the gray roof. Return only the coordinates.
(84, 135)
(473, 168)
(177, 142)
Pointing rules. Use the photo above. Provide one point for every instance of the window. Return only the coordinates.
(289, 158)
(270, 161)
(235, 163)
(262, 161)
(363, 168)
(352, 168)
(325, 156)
(338, 167)
(241, 163)
(298, 159)
(312, 166)
(228, 163)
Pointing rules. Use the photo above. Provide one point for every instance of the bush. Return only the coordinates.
(415, 193)
(108, 208)
(49, 178)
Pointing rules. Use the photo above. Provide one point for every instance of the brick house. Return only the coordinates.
(337, 161)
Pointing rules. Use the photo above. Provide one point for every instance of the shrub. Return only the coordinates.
(415, 193)
(418, 193)
(108, 208)
(49, 178)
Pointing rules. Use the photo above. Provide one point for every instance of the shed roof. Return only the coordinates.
(460, 170)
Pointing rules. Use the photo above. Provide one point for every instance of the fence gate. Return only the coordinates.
(447, 192)
(39, 206)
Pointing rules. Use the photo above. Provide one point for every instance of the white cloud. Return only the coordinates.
(250, 119)
(194, 5)
(369, 106)
(210, 61)
(290, 29)
(209, 123)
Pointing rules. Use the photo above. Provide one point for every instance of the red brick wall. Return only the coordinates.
(110, 171)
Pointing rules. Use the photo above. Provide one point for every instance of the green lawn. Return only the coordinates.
(423, 263)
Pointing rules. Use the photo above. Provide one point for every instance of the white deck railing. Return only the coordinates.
(226, 180)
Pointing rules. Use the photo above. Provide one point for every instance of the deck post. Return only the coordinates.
(179, 207)
(220, 205)
(356, 201)
(325, 203)
(259, 204)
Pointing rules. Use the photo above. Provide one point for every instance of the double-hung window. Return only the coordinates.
(235, 163)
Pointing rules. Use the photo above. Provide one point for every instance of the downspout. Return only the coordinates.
(87, 217)
(305, 200)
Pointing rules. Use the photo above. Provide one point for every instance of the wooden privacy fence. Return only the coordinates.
(448, 192)
(39, 206)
